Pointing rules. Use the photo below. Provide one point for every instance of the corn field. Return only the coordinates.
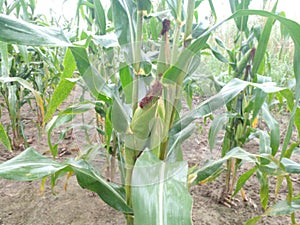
(151, 72)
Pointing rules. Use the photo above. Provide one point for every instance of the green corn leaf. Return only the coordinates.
(100, 17)
(4, 139)
(15, 31)
(126, 82)
(214, 166)
(109, 40)
(227, 93)
(243, 179)
(64, 88)
(90, 75)
(153, 182)
(274, 128)
(212, 8)
(283, 208)
(297, 97)
(4, 60)
(241, 22)
(262, 45)
(55, 122)
(264, 188)
(218, 55)
(144, 5)
(90, 178)
(218, 123)
(290, 166)
(29, 165)
(108, 129)
(259, 100)
(297, 120)
(178, 72)
(12, 104)
(123, 17)
(78, 108)
(119, 116)
(253, 220)
(175, 141)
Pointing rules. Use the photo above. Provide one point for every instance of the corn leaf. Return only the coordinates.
(4, 139)
(64, 88)
(153, 182)
(227, 93)
(15, 31)
(175, 140)
(100, 17)
(212, 167)
(274, 128)
(119, 116)
(126, 82)
(253, 220)
(262, 44)
(218, 123)
(290, 166)
(243, 179)
(4, 60)
(90, 75)
(297, 97)
(264, 188)
(31, 165)
(123, 18)
(283, 208)
(89, 177)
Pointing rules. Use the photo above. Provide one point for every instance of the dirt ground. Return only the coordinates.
(22, 204)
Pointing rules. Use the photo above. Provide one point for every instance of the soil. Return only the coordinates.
(21, 203)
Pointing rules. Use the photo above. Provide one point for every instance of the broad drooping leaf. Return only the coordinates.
(15, 31)
(89, 178)
(227, 93)
(159, 192)
(31, 165)
(212, 167)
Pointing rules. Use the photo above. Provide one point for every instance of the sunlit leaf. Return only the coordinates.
(29, 165)
(15, 31)
(153, 182)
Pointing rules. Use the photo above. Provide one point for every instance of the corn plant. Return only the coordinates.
(246, 62)
(144, 114)
(24, 76)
